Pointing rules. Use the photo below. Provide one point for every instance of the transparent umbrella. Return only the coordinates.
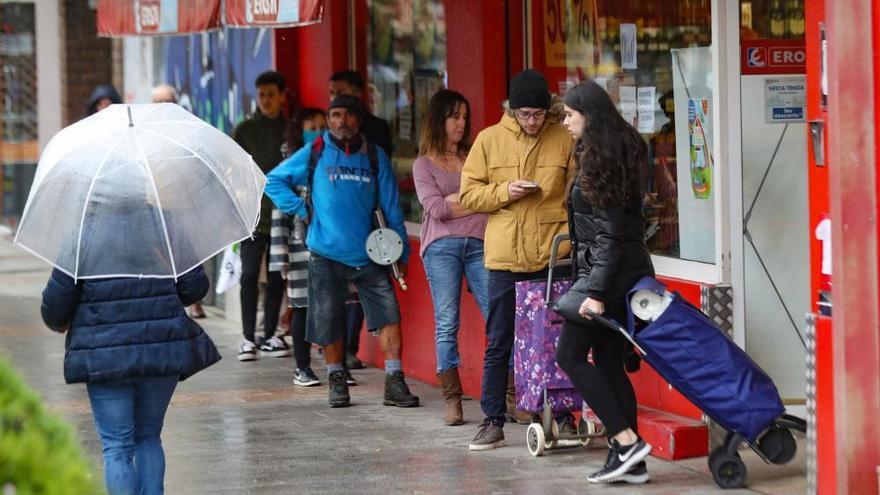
(139, 191)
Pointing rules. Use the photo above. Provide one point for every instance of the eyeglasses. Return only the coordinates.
(526, 116)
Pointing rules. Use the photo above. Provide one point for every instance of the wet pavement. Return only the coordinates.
(244, 428)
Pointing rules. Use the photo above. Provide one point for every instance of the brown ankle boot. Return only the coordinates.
(514, 415)
(451, 386)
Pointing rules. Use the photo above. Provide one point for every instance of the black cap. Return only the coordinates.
(529, 89)
(350, 103)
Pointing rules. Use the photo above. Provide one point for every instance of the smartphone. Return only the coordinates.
(530, 185)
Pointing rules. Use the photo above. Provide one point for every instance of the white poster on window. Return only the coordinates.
(785, 100)
(628, 46)
(628, 105)
(646, 96)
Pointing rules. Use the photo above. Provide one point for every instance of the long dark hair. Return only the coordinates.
(433, 136)
(293, 134)
(611, 155)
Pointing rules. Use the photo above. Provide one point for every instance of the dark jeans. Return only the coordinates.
(302, 350)
(252, 251)
(499, 334)
(604, 384)
(354, 320)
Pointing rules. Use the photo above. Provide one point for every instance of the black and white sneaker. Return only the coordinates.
(620, 460)
(349, 379)
(247, 351)
(637, 475)
(274, 347)
(305, 377)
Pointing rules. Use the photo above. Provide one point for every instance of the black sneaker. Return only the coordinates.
(637, 475)
(490, 435)
(353, 363)
(397, 392)
(274, 347)
(620, 460)
(305, 377)
(338, 396)
(349, 379)
(247, 351)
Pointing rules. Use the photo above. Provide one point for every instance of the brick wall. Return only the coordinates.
(87, 61)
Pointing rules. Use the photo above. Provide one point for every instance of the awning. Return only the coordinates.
(273, 13)
(156, 17)
(118, 18)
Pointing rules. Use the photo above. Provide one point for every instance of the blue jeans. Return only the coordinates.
(128, 416)
(446, 260)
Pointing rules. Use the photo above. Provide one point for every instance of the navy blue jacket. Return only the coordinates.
(128, 327)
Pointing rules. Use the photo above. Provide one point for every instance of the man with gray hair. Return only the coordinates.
(164, 93)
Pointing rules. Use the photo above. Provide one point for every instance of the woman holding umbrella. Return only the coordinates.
(113, 209)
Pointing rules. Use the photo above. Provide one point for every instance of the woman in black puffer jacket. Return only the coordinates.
(130, 341)
(608, 232)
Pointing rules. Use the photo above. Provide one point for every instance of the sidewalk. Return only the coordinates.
(244, 428)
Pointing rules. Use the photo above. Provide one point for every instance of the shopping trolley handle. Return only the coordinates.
(554, 262)
(613, 325)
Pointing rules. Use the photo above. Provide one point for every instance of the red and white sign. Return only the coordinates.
(773, 57)
(147, 15)
(156, 17)
(273, 13)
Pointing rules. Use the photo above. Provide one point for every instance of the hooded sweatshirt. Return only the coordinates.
(343, 199)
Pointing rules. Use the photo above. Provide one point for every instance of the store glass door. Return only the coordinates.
(774, 190)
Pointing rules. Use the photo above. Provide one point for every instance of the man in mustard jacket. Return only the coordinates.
(517, 172)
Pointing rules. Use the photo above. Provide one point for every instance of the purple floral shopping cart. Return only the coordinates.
(542, 388)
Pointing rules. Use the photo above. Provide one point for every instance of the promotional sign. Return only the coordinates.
(156, 17)
(785, 100)
(773, 57)
(569, 33)
(700, 157)
(273, 13)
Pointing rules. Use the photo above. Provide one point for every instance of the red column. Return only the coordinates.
(853, 138)
(477, 56)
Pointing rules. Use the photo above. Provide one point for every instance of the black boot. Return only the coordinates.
(397, 393)
(338, 389)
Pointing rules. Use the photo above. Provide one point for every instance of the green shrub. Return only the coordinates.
(39, 453)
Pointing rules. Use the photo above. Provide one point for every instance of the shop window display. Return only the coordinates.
(654, 59)
(406, 66)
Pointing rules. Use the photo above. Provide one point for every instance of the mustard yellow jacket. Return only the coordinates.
(519, 233)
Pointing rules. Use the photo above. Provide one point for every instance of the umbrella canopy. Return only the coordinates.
(139, 191)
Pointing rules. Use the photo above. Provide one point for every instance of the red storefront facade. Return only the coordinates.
(745, 52)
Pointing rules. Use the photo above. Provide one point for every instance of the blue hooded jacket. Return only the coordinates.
(128, 327)
(343, 200)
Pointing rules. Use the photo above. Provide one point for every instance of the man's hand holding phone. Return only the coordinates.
(520, 188)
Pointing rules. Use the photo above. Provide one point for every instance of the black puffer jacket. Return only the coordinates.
(611, 255)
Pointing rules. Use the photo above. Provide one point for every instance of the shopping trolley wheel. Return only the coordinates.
(586, 431)
(778, 445)
(729, 471)
(535, 439)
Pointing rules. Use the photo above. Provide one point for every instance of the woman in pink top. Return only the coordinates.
(451, 236)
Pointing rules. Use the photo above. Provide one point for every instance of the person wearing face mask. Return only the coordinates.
(288, 253)
(516, 172)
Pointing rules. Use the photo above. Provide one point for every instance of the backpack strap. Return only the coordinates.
(373, 155)
(314, 156)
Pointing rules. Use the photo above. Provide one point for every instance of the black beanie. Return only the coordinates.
(529, 89)
(350, 103)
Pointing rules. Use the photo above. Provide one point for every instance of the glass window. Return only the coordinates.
(406, 65)
(654, 58)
